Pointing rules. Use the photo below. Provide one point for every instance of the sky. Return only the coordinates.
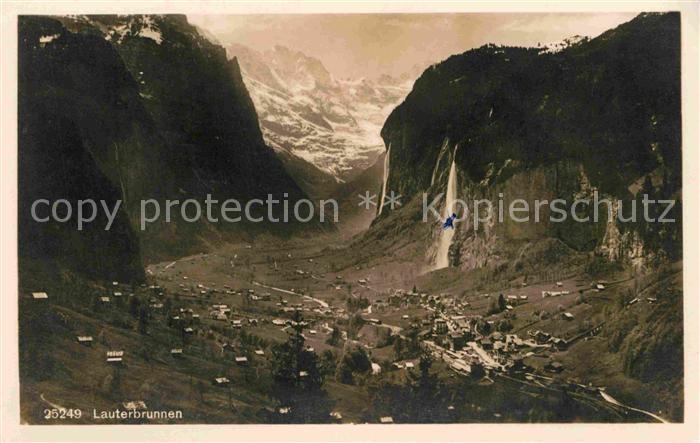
(369, 45)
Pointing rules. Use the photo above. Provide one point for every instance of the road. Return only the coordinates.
(607, 397)
(601, 402)
(53, 405)
(306, 297)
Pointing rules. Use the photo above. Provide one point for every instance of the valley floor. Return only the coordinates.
(546, 349)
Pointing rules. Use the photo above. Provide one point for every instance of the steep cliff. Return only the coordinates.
(528, 123)
(599, 115)
(130, 108)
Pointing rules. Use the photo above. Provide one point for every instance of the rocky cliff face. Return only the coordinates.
(598, 115)
(131, 108)
(326, 129)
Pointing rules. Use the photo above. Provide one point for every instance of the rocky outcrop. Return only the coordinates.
(597, 116)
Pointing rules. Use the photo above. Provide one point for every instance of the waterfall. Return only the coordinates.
(443, 148)
(385, 179)
(446, 235)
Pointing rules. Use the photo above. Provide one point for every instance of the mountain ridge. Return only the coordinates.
(157, 112)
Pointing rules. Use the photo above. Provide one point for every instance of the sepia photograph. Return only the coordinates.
(367, 217)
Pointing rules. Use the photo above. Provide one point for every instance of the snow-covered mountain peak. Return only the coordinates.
(306, 112)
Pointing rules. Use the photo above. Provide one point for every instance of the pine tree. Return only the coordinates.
(298, 380)
(143, 320)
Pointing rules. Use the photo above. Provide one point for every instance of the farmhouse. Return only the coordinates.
(115, 357)
(136, 405)
(85, 340)
(176, 352)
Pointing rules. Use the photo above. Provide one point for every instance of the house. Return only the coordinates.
(115, 357)
(117, 294)
(336, 415)
(376, 369)
(303, 374)
(85, 340)
(40, 295)
(600, 287)
(541, 337)
(440, 326)
(523, 299)
(242, 361)
(651, 300)
(188, 330)
(176, 352)
(568, 316)
(136, 405)
(559, 343)
(104, 299)
(386, 420)
(259, 352)
(461, 367)
(218, 315)
(457, 340)
(220, 381)
(236, 324)
(554, 366)
(409, 365)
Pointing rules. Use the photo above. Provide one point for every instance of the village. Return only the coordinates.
(234, 305)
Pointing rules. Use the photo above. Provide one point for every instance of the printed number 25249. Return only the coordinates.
(62, 414)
